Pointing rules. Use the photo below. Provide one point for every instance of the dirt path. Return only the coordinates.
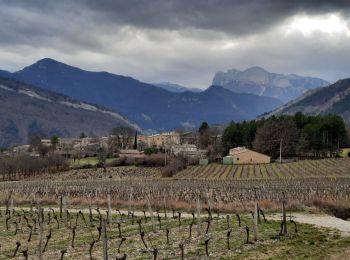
(319, 220)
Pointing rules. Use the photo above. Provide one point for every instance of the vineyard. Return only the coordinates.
(102, 233)
(216, 211)
(301, 169)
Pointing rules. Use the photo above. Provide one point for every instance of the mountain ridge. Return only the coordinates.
(257, 80)
(27, 110)
(151, 107)
(334, 99)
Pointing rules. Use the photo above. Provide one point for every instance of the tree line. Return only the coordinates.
(22, 165)
(298, 135)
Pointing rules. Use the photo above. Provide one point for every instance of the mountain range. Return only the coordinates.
(334, 99)
(27, 110)
(258, 81)
(150, 107)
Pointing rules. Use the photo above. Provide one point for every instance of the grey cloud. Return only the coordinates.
(230, 16)
(171, 40)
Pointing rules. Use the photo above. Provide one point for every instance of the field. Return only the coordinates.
(70, 210)
(295, 170)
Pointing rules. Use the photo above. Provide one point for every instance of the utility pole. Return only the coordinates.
(165, 154)
(281, 150)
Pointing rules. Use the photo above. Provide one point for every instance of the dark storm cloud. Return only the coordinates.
(230, 16)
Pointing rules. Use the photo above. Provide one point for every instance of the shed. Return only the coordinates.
(227, 160)
(203, 161)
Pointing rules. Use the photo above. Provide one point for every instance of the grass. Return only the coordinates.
(86, 161)
(344, 152)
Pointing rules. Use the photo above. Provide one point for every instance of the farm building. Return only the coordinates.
(183, 149)
(188, 150)
(227, 160)
(242, 155)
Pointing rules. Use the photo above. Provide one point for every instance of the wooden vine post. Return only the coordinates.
(109, 209)
(41, 227)
(256, 217)
(105, 240)
(151, 213)
(61, 204)
(284, 215)
(198, 216)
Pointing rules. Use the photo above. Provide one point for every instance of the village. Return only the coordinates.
(129, 145)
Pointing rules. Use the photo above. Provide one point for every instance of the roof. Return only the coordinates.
(184, 146)
(238, 150)
(130, 151)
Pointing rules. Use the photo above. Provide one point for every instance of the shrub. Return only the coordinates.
(168, 172)
(134, 161)
(154, 160)
(87, 166)
(150, 150)
(175, 165)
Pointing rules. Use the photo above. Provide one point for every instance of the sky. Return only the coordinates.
(179, 41)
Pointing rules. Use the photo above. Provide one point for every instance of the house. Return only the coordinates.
(21, 148)
(131, 153)
(188, 150)
(78, 147)
(142, 142)
(242, 155)
(85, 147)
(188, 138)
(183, 149)
(163, 140)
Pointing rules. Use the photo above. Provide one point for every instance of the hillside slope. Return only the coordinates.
(334, 99)
(258, 81)
(26, 110)
(151, 107)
